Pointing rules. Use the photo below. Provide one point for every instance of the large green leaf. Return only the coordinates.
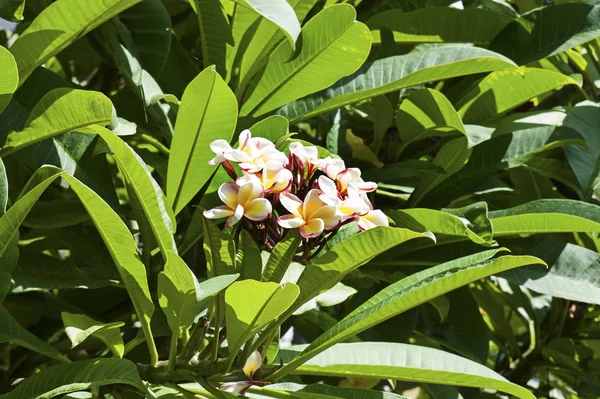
(280, 258)
(79, 327)
(208, 112)
(273, 128)
(410, 292)
(327, 270)
(547, 31)
(452, 157)
(424, 65)
(255, 38)
(572, 271)
(318, 391)
(547, 216)
(12, 332)
(281, 13)
(3, 189)
(181, 296)
(57, 26)
(476, 227)
(585, 161)
(218, 249)
(215, 32)
(123, 250)
(147, 191)
(439, 25)
(250, 305)
(403, 362)
(426, 113)
(10, 77)
(489, 98)
(149, 25)
(77, 376)
(60, 111)
(334, 46)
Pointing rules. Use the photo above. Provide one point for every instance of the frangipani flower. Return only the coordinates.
(352, 175)
(241, 201)
(374, 218)
(331, 166)
(253, 363)
(353, 205)
(275, 178)
(305, 154)
(251, 155)
(311, 217)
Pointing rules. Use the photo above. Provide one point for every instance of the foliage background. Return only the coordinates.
(479, 120)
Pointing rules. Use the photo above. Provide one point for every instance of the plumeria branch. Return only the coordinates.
(279, 192)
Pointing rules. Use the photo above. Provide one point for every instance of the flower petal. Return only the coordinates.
(251, 190)
(372, 219)
(291, 203)
(228, 192)
(258, 209)
(312, 203)
(253, 363)
(236, 217)
(330, 194)
(244, 138)
(290, 221)
(312, 229)
(219, 212)
(329, 216)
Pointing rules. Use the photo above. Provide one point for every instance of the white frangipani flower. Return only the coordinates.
(352, 205)
(310, 217)
(241, 201)
(308, 154)
(352, 175)
(374, 218)
(253, 363)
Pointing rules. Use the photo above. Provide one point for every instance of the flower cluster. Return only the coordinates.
(278, 192)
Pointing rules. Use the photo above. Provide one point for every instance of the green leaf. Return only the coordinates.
(327, 270)
(60, 111)
(208, 112)
(280, 258)
(439, 25)
(215, 32)
(77, 376)
(403, 362)
(147, 191)
(57, 26)
(452, 157)
(251, 305)
(149, 25)
(3, 189)
(10, 77)
(585, 162)
(383, 117)
(333, 296)
(181, 296)
(273, 128)
(444, 222)
(42, 271)
(547, 216)
(548, 30)
(12, 10)
(489, 98)
(219, 250)
(281, 13)
(255, 38)
(325, 44)
(410, 292)
(12, 332)
(248, 258)
(319, 391)
(572, 271)
(399, 170)
(427, 113)
(424, 65)
(79, 327)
